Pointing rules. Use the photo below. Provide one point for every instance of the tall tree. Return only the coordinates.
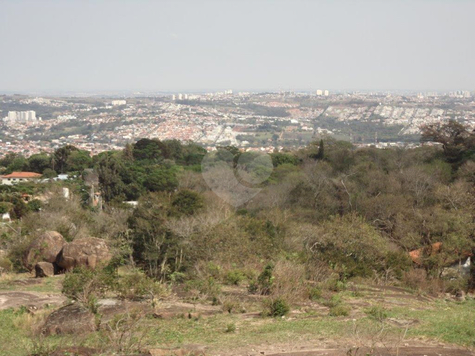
(458, 141)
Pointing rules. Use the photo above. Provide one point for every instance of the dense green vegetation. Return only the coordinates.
(353, 213)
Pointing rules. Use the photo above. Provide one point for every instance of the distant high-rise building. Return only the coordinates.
(31, 115)
(326, 93)
(319, 92)
(180, 96)
(21, 116)
(118, 102)
(12, 115)
(173, 97)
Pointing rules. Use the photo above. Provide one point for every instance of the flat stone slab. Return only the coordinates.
(30, 300)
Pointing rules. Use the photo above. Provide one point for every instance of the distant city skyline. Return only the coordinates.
(199, 46)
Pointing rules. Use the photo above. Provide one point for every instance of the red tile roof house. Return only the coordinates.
(17, 177)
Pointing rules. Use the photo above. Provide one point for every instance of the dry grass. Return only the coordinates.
(289, 282)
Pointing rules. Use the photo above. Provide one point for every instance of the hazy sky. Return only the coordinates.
(191, 45)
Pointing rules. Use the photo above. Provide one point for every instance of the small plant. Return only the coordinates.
(340, 310)
(177, 277)
(315, 293)
(337, 286)
(123, 333)
(253, 287)
(5, 265)
(235, 277)
(230, 328)
(229, 306)
(264, 282)
(276, 307)
(208, 287)
(377, 313)
(333, 301)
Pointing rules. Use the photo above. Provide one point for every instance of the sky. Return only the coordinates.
(203, 45)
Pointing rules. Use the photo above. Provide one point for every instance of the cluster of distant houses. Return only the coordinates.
(24, 177)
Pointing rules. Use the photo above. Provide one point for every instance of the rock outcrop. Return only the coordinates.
(45, 248)
(71, 319)
(44, 269)
(86, 252)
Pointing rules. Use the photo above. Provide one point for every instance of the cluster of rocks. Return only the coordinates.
(51, 254)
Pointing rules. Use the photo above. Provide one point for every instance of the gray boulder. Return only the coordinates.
(71, 319)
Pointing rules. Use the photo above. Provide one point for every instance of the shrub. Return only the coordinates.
(340, 310)
(264, 281)
(123, 334)
(232, 304)
(315, 293)
(333, 301)
(5, 265)
(235, 277)
(351, 246)
(208, 287)
(289, 281)
(415, 278)
(187, 202)
(35, 205)
(335, 285)
(230, 328)
(456, 286)
(86, 285)
(137, 285)
(276, 307)
(377, 313)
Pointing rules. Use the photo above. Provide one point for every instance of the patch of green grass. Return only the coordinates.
(377, 313)
(452, 322)
(176, 332)
(26, 283)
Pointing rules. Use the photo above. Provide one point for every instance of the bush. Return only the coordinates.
(264, 282)
(351, 246)
(231, 305)
(340, 310)
(333, 301)
(315, 293)
(86, 285)
(230, 328)
(456, 286)
(377, 313)
(137, 285)
(5, 265)
(289, 281)
(208, 287)
(35, 205)
(415, 278)
(335, 285)
(187, 202)
(276, 307)
(235, 277)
